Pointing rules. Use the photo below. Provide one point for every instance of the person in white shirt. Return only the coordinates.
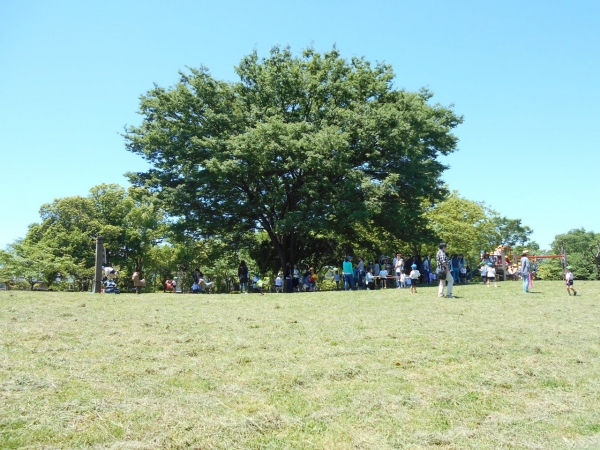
(569, 280)
(370, 280)
(491, 274)
(383, 277)
(483, 271)
(399, 269)
(413, 277)
(278, 283)
(110, 272)
(402, 281)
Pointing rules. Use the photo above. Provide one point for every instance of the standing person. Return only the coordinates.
(361, 271)
(462, 263)
(491, 275)
(296, 279)
(371, 280)
(398, 268)
(336, 278)
(414, 277)
(244, 276)
(443, 266)
(426, 269)
(463, 275)
(483, 271)
(569, 280)
(279, 283)
(348, 274)
(525, 270)
(455, 263)
(289, 274)
(403, 282)
(383, 277)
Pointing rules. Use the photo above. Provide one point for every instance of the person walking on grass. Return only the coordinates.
(525, 270)
(569, 280)
(443, 267)
(414, 277)
(491, 274)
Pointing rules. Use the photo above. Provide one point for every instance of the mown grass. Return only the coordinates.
(492, 369)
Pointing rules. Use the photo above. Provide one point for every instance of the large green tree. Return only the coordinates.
(298, 146)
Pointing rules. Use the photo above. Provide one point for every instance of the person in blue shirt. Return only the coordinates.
(455, 264)
(348, 273)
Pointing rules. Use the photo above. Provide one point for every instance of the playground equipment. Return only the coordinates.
(534, 258)
(500, 259)
(502, 256)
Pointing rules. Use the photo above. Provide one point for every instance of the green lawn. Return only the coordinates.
(492, 369)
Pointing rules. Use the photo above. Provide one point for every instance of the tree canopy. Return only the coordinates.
(300, 146)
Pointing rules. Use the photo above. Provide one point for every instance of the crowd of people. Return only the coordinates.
(385, 272)
(402, 273)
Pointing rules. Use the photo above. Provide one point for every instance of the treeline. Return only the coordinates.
(139, 235)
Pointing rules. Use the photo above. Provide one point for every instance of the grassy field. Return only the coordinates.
(492, 369)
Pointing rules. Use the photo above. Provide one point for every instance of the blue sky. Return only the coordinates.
(525, 75)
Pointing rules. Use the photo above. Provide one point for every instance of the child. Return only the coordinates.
(483, 270)
(312, 280)
(413, 277)
(569, 280)
(463, 274)
(370, 280)
(383, 277)
(278, 283)
(336, 278)
(402, 280)
(259, 283)
(491, 274)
